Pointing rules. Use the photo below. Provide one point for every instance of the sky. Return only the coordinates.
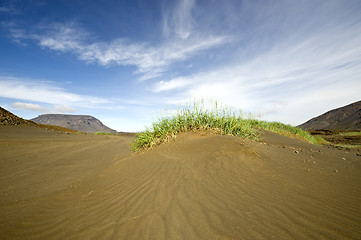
(126, 62)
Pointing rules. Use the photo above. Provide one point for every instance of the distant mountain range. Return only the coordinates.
(343, 118)
(82, 123)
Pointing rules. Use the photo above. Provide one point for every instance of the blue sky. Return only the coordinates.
(124, 62)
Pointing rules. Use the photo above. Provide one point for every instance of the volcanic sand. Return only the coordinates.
(202, 186)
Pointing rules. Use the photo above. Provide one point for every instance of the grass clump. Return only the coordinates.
(103, 133)
(352, 146)
(287, 130)
(222, 120)
(353, 133)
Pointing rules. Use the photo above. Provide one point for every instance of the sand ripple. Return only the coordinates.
(202, 187)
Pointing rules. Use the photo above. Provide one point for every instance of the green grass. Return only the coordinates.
(346, 145)
(350, 133)
(103, 133)
(222, 120)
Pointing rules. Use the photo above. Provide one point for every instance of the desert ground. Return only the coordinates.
(202, 186)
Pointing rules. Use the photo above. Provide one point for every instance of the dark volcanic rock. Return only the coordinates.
(7, 118)
(344, 118)
(82, 123)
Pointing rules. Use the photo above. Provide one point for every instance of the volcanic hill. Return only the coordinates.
(7, 118)
(343, 118)
(82, 123)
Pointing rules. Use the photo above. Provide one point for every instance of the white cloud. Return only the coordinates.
(151, 61)
(5, 9)
(295, 80)
(291, 60)
(16, 34)
(172, 84)
(63, 109)
(8, 10)
(41, 109)
(45, 92)
(62, 37)
(30, 106)
(179, 20)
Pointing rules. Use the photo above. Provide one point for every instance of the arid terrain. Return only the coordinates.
(57, 185)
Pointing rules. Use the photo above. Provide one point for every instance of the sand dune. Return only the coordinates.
(203, 186)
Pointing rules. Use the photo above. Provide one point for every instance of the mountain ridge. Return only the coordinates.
(343, 118)
(82, 123)
(8, 118)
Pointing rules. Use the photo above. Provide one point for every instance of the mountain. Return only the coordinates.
(8, 118)
(82, 123)
(343, 118)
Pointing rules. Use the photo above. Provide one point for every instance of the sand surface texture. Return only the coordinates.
(203, 186)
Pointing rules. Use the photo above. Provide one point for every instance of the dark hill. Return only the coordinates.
(82, 123)
(8, 118)
(343, 118)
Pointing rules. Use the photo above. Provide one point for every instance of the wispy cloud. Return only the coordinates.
(182, 42)
(62, 37)
(16, 34)
(5, 9)
(41, 109)
(179, 20)
(63, 109)
(287, 60)
(8, 9)
(45, 92)
(322, 68)
(177, 83)
(30, 106)
(150, 61)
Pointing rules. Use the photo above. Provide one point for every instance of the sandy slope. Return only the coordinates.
(203, 186)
